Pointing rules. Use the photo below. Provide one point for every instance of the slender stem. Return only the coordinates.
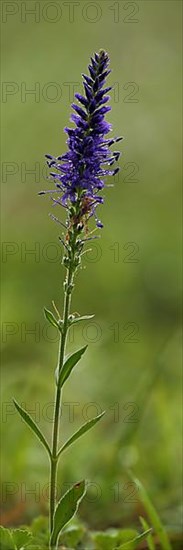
(54, 459)
(71, 265)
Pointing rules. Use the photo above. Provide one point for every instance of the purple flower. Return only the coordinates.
(80, 172)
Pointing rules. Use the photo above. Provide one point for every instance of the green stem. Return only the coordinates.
(54, 459)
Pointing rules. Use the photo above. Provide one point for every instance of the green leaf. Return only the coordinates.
(152, 514)
(73, 319)
(112, 538)
(82, 430)
(50, 317)
(66, 508)
(40, 526)
(150, 541)
(72, 536)
(69, 365)
(104, 540)
(40, 532)
(21, 538)
(27, 418)
(132, 544)
(6, 539)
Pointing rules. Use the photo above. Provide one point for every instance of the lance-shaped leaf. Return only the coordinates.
(84, 428)
(69, 365)
(73, 319)
(51, 319)
(66, 508)
(152, 514)
(27, 418)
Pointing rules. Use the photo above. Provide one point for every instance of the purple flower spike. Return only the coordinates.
(79, 171)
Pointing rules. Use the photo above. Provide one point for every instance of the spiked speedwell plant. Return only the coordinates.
(78, 175)
(79, 179)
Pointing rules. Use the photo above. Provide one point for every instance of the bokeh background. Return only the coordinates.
(130, 278)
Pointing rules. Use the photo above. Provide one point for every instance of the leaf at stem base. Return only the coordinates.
(66, 508)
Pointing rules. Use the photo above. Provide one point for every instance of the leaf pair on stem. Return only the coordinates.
(68, 504)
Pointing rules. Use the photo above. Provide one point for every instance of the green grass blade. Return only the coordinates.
(132, 544)
(153, 516)
(150, 541)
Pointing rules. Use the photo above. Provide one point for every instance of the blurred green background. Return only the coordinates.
(131, 277)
